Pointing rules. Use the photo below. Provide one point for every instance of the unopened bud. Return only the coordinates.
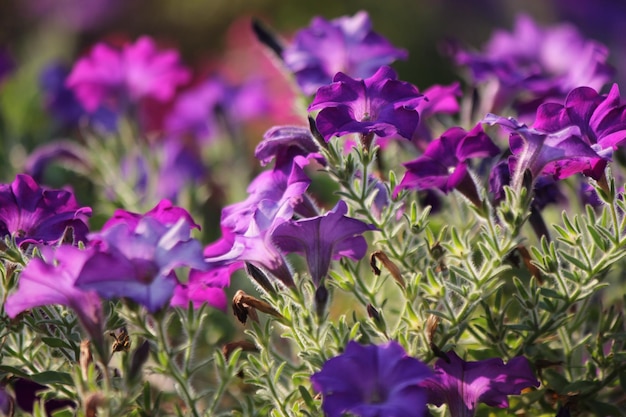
(244, 345)
(259, 277)
(321, 300)
(375, 315)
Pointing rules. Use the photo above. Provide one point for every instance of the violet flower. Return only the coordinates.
(138, 262)
(536, 149)
(372, 381)
(462, 385)
(32, 214)
(438, 99)
(538, 62)
(7, 65)
(114, 78)
(346, 44)
(380, 105)
(322, 238)
(164, 212)
(444, 163)
(51, 280)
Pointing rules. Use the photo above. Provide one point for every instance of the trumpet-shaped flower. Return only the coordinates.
(347, 44)
(51, 280)
(322, 238)
(372, 381)
(115, 77)
(32, 214)
(138, 262)
(380, 105)
(462, 385)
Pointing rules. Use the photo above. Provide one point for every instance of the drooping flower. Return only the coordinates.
(537, 62)
(282, 143)
(462, 385)
(114, 78)
(380, 105)
(138, 262)
(32, 214)
(346, 44)
(322, 238)
(444, 163)
(51, 280)
(372, 381)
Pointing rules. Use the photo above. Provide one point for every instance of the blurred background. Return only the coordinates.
(38, 30)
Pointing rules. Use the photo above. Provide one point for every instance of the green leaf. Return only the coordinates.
(53, 377)
(55, 342)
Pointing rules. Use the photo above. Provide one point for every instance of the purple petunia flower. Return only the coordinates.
(283, 143)
(347, 45)
(164, 212)
(462, 385)
(205, 287)
(51, 280)
(322, 238)
(137, 261)
(380, 105)
(602, 123)
(372, 381)
(444, 163)
(32, 214)
(7, 65)
(536, 149)
(540, 63)
(114, 78)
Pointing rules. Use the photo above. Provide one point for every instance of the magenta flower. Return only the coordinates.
(444, 163)
(540, 62)
(346, 44)
(372, 381)
(380, 105)
(113, 78)
(283, 143)
(462, 385)
(32, 214)
(322, 238)
(439, 99)
(205, 288)
(51, 280)
(138, 262)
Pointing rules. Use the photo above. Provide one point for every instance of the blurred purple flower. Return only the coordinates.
(444, 163)
(346, 44)
(322, 238)
(537, 62)
(138, 261)
(62, 104)
(372, 381)
(462, 385)
(182, 166)
(205, 287)
(202, 110)
(51, 280)
(115, 78)
(33, 214)
(7, 65)
(602, 123)
(380, 105)
(535, 149)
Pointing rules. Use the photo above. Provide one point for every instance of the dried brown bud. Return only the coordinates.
(121, 342)
(92, 403)
(393, 269)
(431, 326)
(245, 305)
